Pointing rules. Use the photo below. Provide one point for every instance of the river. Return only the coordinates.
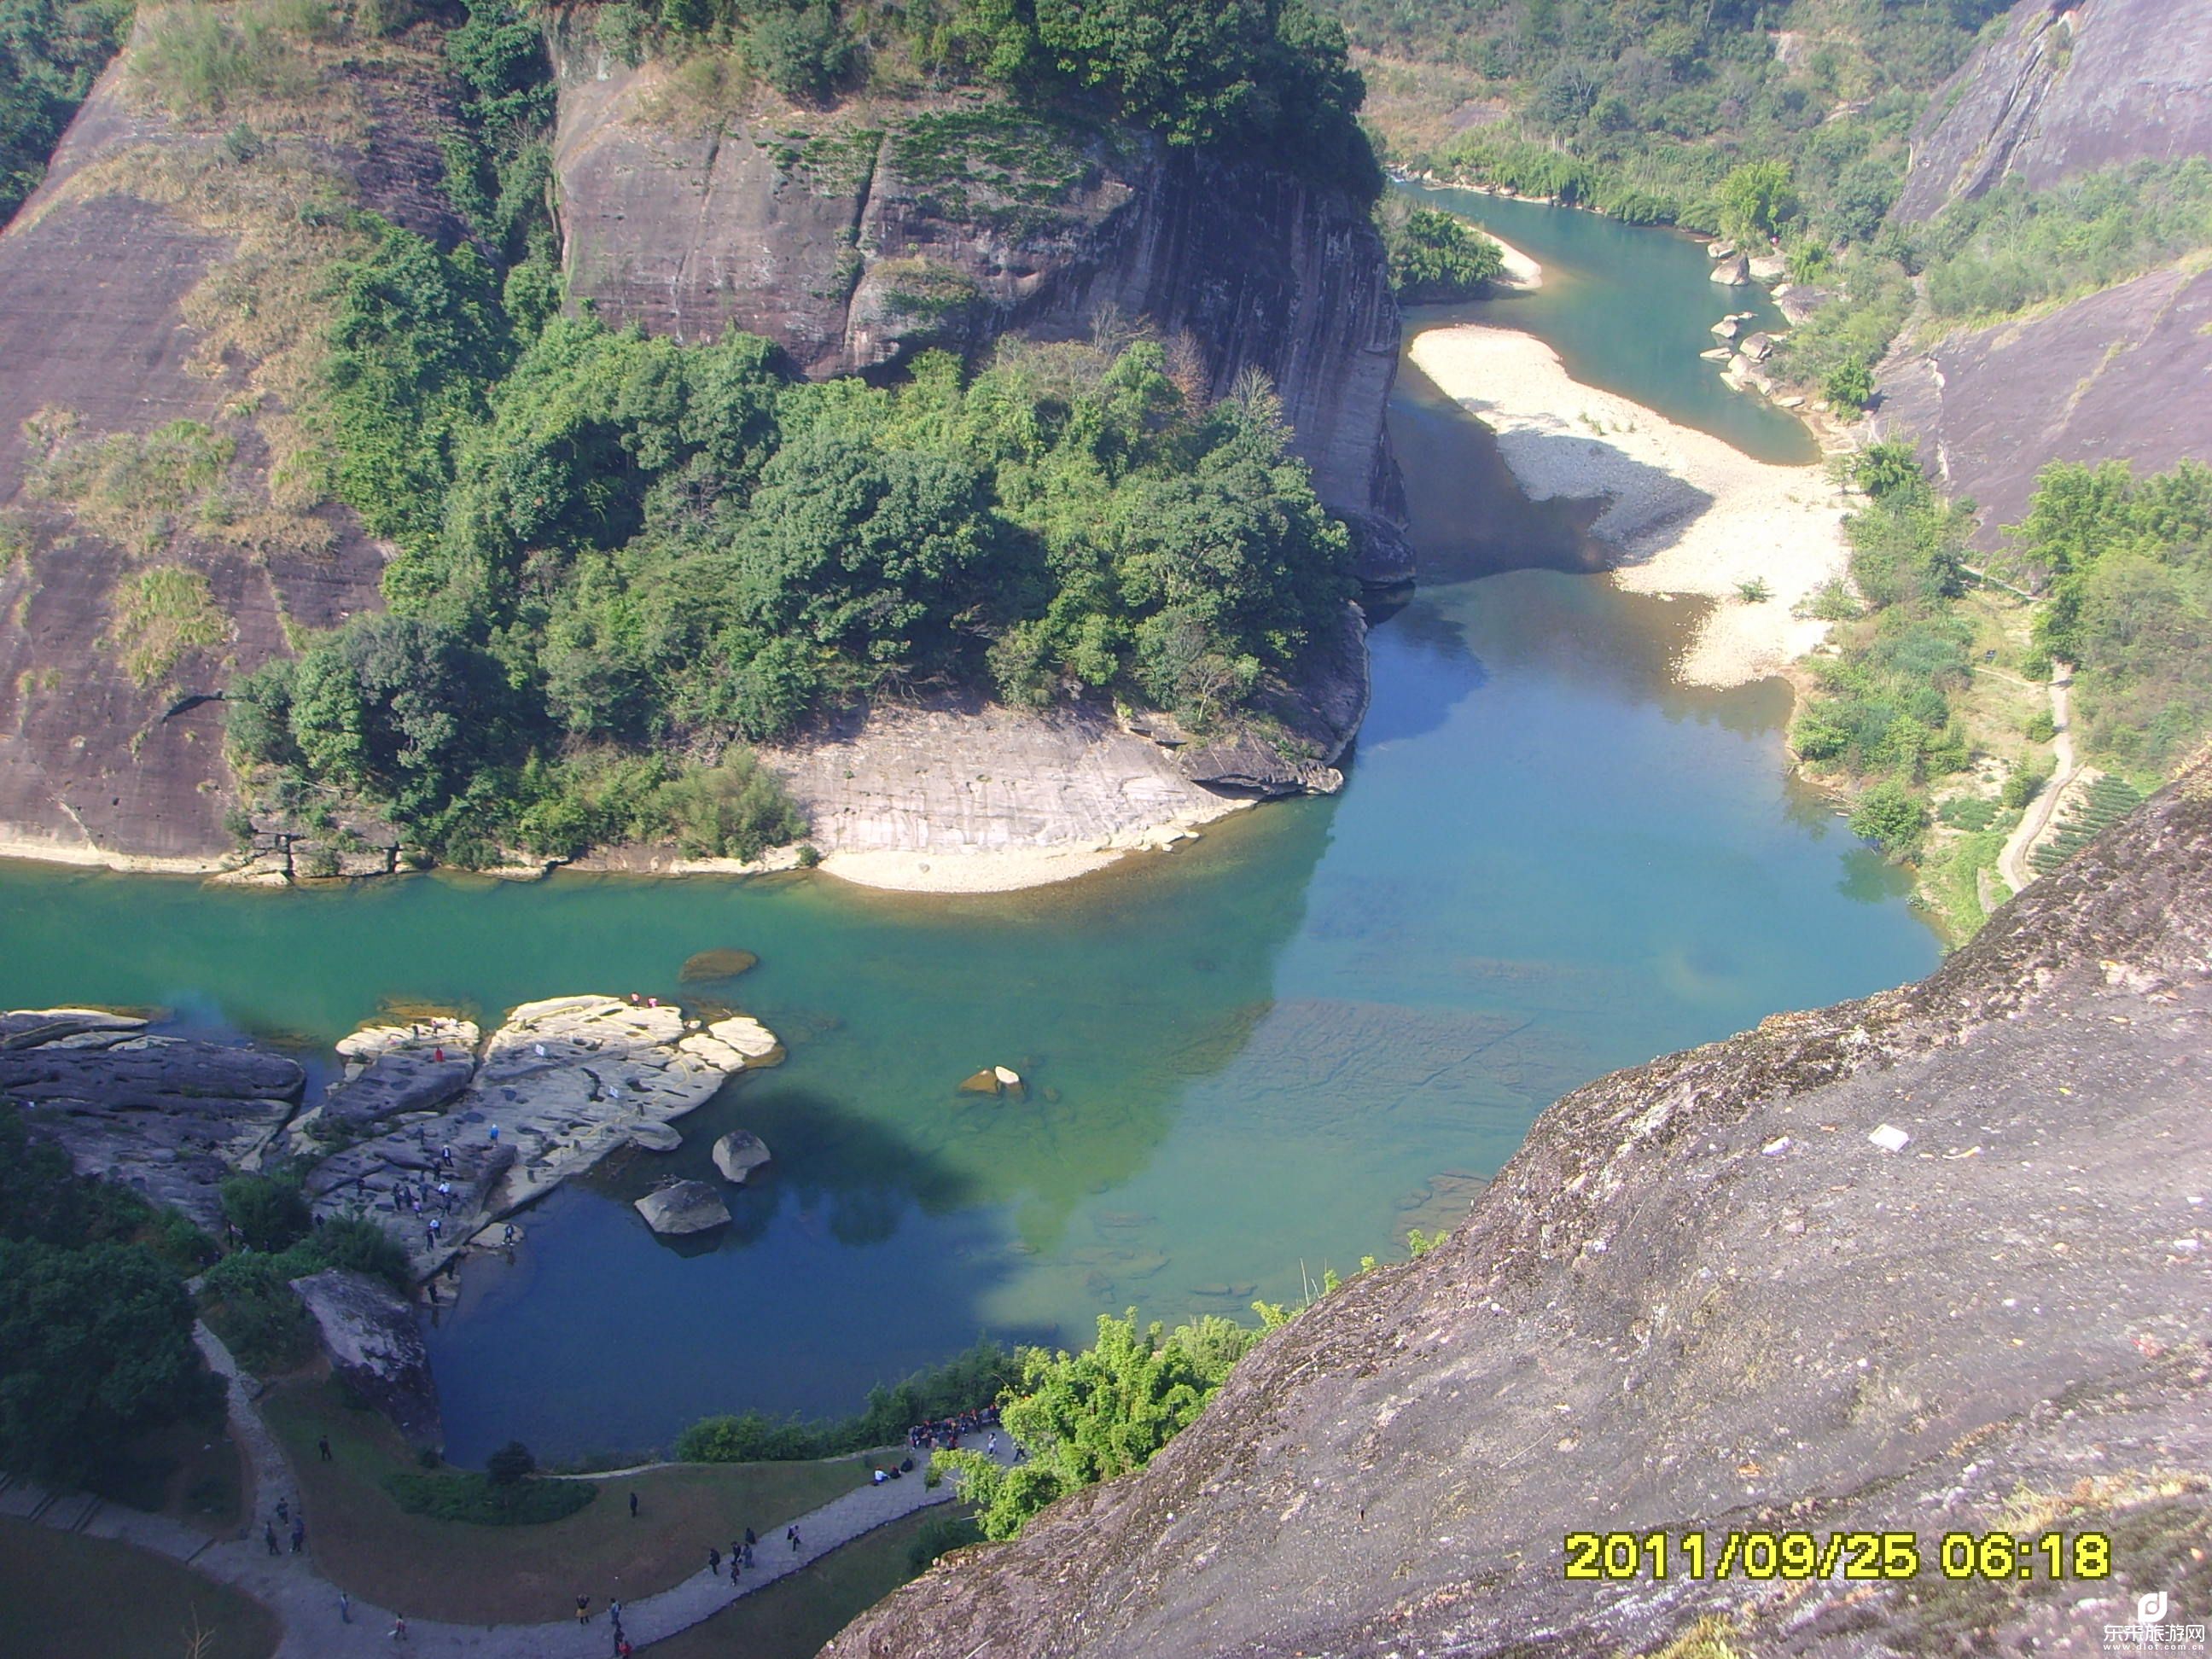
(1251, 1059)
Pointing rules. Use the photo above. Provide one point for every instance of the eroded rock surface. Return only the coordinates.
(856, 238)
(738, 1153)
(375, 1348)
(1700, 1297)
(2063, 87)
(2116, 375)
(168, 1117)
(561, 1084)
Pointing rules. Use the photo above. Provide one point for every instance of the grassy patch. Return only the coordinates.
(455, 1496)
(791, 1618)
(835, 164)
(987, 166)
(140, 490)
(451, 1570)
(1952, 880)
(202, 61)
(160, 615)
(63, 1596)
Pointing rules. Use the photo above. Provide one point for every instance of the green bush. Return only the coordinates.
(1433, 256)
(479, 1500)
(940, 1535)
(269, 1213)
(1890, 816)
(1848, 387)
(2041, 726)
(961, 1384)
(2025, 782)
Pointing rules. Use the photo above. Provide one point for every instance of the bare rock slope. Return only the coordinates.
(2064, 87)
(1701, 1297)
(149, 281)
(2058, 90)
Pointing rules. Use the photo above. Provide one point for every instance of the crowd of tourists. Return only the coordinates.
(944, 1434)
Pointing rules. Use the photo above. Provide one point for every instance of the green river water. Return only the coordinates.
(1250, 1060)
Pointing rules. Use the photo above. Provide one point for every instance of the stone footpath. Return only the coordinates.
(307, 1603)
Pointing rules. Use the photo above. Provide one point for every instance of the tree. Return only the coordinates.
(95, 1348)
(1848, 387)
(1434, 256)
(269, 1214)
(1756, 200)
(511, 1465)
(1891, 815)
(1102, 1412)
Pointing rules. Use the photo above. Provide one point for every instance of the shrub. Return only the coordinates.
(2042, 727)
(1848, 385)
(1892, 817)
(2025, 782)
(511, 1465)
(268, 1212)
(478, 1500)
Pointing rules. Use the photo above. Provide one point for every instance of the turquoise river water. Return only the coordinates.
(1266, 1054)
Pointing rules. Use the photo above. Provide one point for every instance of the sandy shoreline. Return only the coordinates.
(1008, 869)
(83, 855)
(1688, 513)
(1521, 273)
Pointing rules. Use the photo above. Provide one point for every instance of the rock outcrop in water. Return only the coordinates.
(1704, 1296)
(561, 1084)
(168, 1117)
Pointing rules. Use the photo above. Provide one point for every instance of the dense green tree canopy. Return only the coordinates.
(1103, 1411)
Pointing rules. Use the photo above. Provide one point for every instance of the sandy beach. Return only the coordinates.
(1006, 869)
(1520, 272)
(1688, 513)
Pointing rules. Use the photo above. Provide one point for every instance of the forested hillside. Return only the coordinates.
(611, 561)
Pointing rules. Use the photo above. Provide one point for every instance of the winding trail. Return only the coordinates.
(307, 1603)
(2011, 861)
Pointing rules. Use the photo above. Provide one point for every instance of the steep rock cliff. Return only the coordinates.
(126, 303)
(2059, 90)
(2065, 87)
(2120, 374)
(856, 238)
(1701, 1298)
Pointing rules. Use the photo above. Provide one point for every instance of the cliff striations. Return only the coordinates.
(2057, 91)
(856, 238)
(2066, 86)
(1702, 1297)
(159, 277)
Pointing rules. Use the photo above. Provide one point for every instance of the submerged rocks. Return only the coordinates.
(684, 1206)
(708, 965)
(738, 1153)
(994, 1080)
(375, 1348)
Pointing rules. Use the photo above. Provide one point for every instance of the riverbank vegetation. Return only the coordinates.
(95, 1324)
(247, 1298)
(966, 1381)
(1434, 256)
(1931, 715)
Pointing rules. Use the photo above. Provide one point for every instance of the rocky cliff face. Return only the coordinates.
(1702, 1296)
(2065, 87)
(2118, 374)
(129, 287)
(2057, 91)
(857, 239)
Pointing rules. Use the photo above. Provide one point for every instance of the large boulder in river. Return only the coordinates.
(684, 1206)
(738, 1153)
(376, 1350)
(399, 1081)
(1735, 271)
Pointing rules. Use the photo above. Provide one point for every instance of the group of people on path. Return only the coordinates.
(741, 1553)
(284, 1515)
(944, 1434)
(614, 1618)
